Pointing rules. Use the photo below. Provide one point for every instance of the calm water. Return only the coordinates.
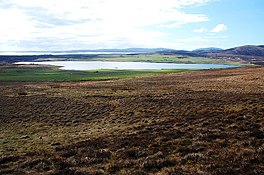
(93, 65)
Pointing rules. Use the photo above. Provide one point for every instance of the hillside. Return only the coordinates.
(250, 54)
(200, 122)
(246, 50)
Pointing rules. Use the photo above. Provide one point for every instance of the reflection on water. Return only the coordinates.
(93, 65)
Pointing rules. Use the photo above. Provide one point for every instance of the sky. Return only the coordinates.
(56, 25)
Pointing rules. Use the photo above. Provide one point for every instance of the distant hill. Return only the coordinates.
(249, 50)
(128, 50)
(248, 54)
(208, 49)
(179, 52)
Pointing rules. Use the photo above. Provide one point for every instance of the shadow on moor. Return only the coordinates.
(200, 122)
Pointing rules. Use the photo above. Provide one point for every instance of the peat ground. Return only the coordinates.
(200, 122)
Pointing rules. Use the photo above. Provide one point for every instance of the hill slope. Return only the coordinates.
(202, 122)
(250, 54)
(246, 50)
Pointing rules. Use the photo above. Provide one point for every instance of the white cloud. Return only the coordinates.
(200, 30)
(91, 23)
(219, 28)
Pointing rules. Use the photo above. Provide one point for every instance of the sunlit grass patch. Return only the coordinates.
(44, 74)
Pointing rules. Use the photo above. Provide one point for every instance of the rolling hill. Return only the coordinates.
(249, 53)
(246, 50)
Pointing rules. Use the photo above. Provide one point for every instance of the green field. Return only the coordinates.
(44, 74)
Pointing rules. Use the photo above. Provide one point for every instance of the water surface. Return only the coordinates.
(94, 65)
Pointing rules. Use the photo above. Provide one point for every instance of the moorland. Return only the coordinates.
(170, 122)
(199, 122)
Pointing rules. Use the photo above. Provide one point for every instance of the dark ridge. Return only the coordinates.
(246, 50)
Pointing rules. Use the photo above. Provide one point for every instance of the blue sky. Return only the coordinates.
(46, 25)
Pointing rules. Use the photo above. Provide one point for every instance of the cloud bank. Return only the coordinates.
(90, 24)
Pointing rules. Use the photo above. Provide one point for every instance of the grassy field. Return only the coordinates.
(43, 74)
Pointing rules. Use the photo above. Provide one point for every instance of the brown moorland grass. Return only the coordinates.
(201, 122)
